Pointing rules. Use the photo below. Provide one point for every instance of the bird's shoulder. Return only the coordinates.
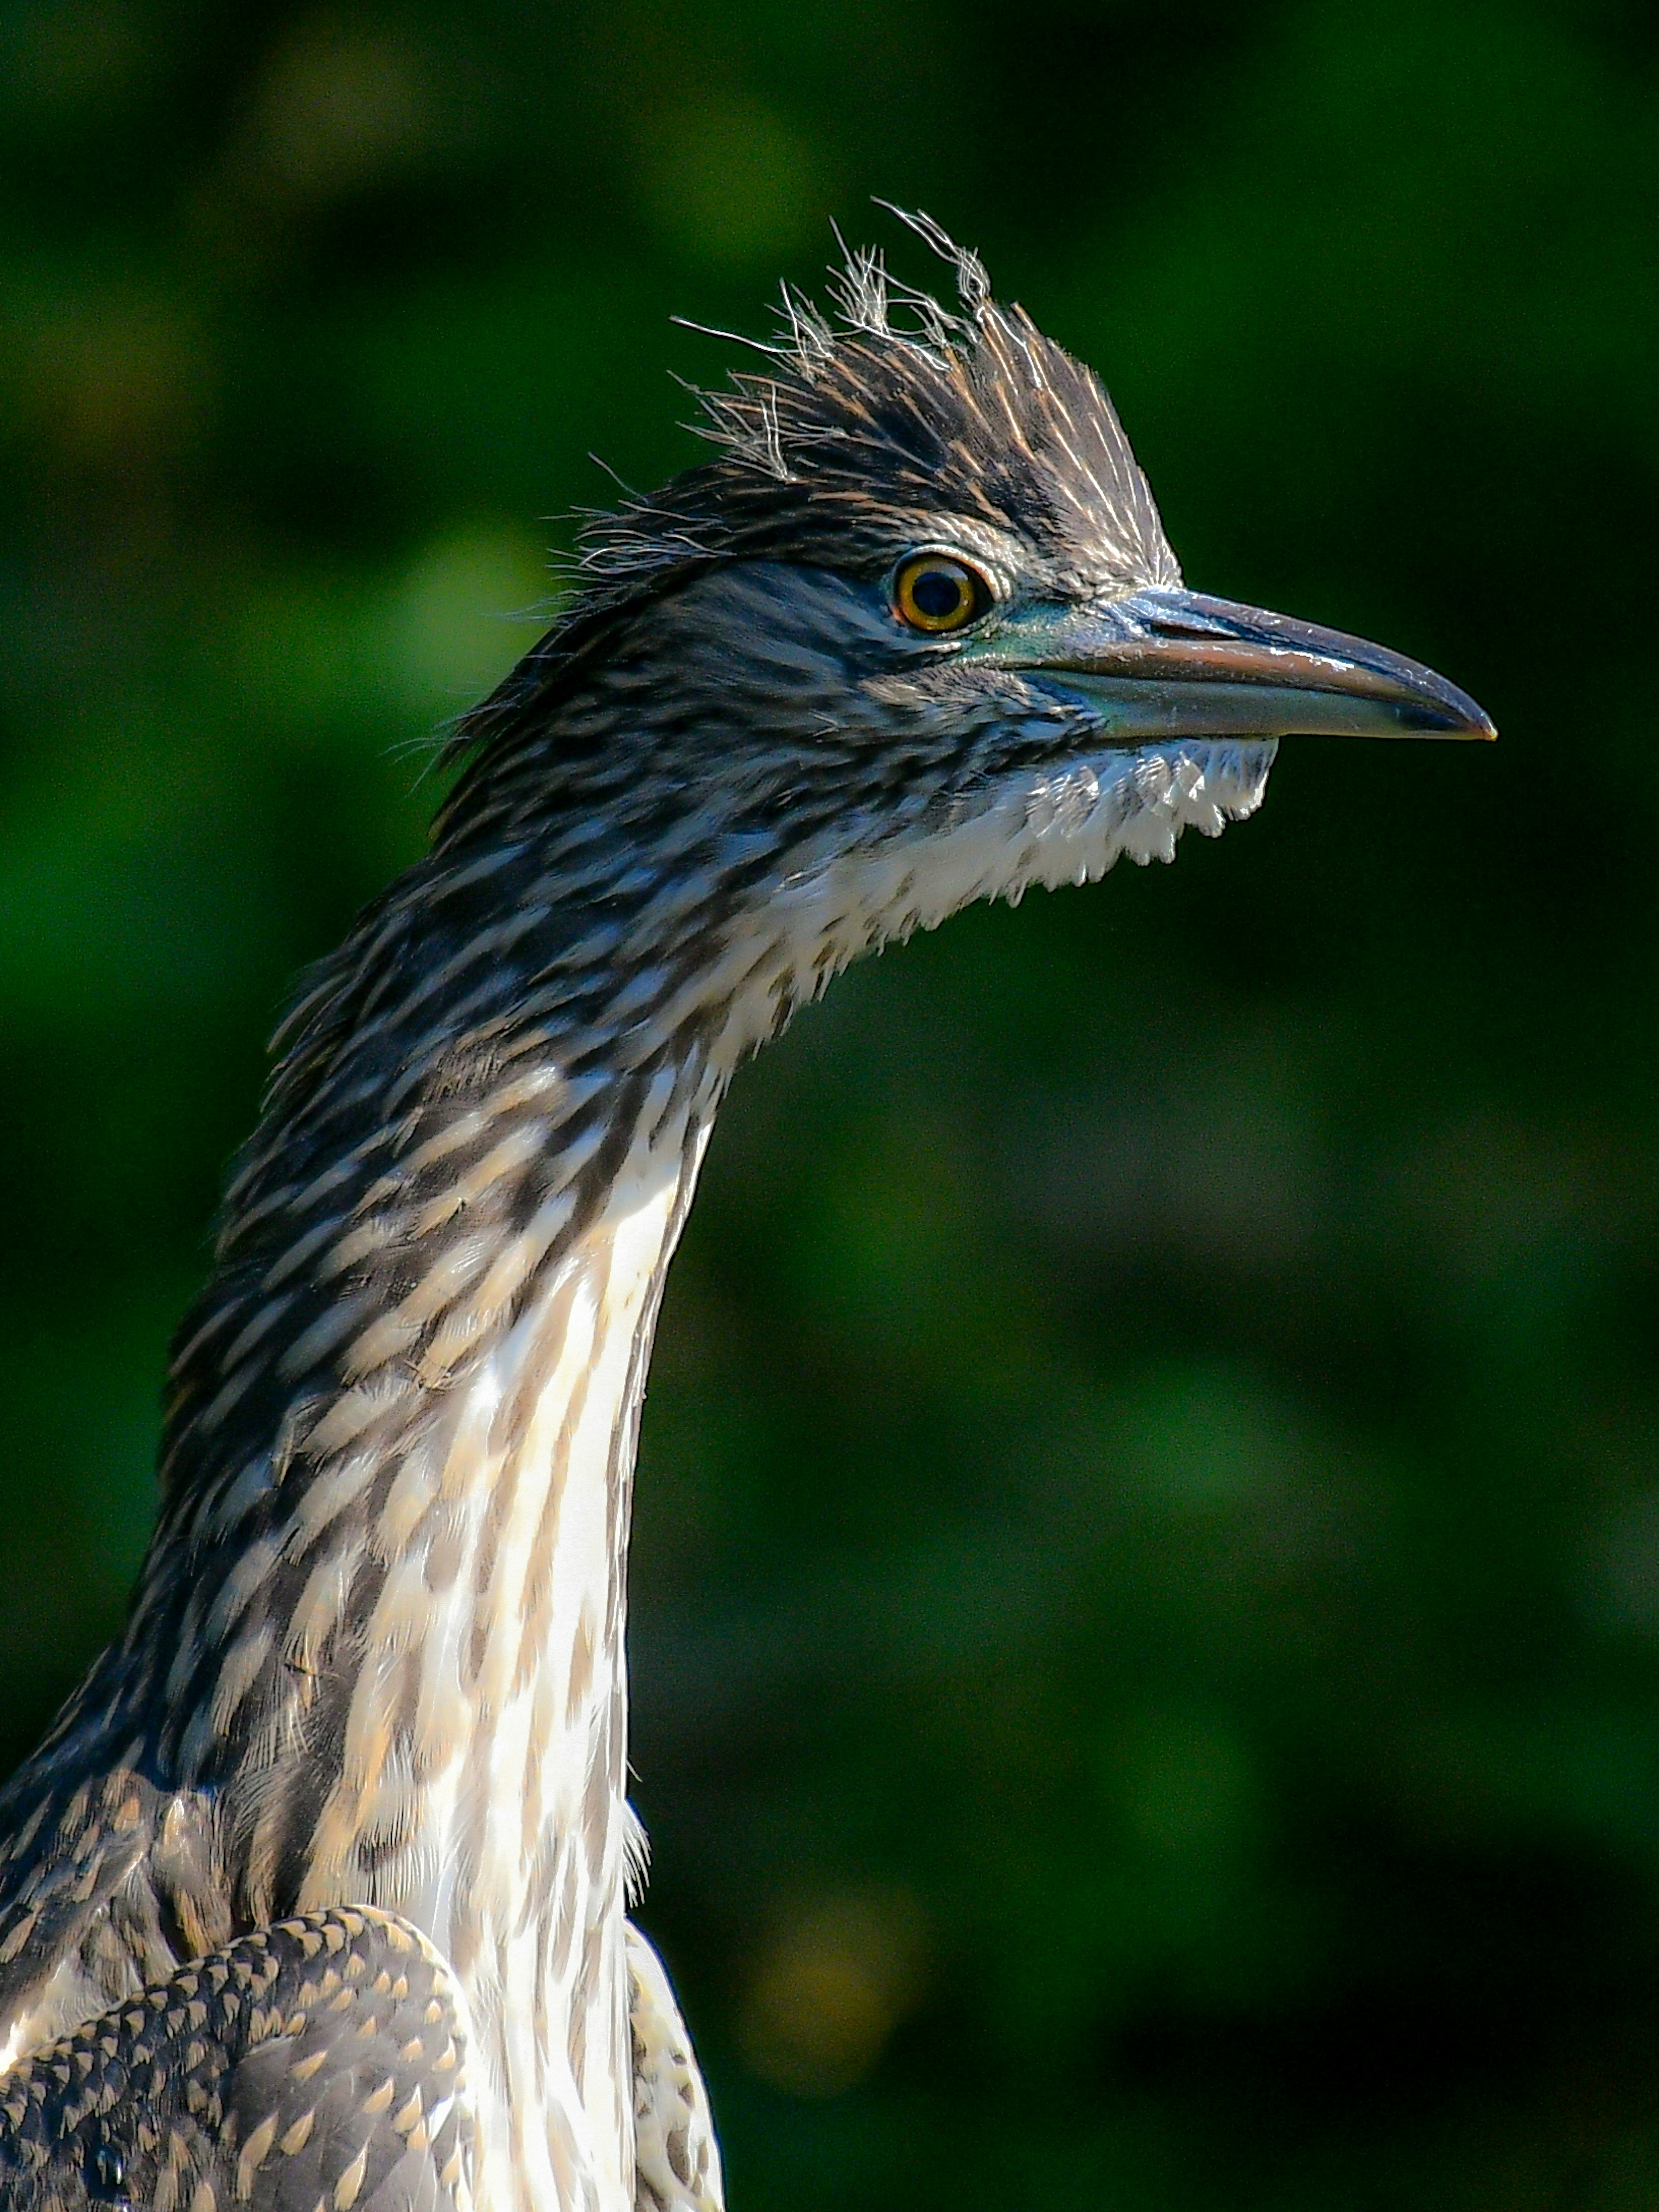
(109, 1881)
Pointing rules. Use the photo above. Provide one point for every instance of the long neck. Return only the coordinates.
(382, 1623)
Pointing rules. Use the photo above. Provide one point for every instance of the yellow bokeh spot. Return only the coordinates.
(835, 1981)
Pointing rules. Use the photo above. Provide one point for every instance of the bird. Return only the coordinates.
(317, 1894)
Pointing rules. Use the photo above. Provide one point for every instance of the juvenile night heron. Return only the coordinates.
(315, 1894)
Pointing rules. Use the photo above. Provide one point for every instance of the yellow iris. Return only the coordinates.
(933, 592)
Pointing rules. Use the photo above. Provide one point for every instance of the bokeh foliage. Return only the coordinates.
(1147, 1582)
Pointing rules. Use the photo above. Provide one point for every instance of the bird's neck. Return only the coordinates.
(379, 1632)
(382, 1622)
(400, 1635)
(482, 1788)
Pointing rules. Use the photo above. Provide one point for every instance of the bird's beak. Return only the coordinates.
(1162, 664)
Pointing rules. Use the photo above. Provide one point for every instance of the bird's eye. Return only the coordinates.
(933, 592)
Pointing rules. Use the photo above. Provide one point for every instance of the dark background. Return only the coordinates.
(1147, 1579)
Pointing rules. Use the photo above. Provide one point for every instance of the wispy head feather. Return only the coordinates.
(865, 427)
(893, 406)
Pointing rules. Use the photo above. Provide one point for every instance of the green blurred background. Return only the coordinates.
(1147, 1578)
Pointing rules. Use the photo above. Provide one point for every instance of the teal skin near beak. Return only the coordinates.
(1161, 664)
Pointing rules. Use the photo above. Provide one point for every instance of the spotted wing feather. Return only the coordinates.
(676, 2161)
(317, 2065)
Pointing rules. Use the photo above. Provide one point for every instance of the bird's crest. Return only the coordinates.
(889, 409)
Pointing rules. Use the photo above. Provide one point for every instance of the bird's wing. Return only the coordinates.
(321, 2061)
(677, 2162)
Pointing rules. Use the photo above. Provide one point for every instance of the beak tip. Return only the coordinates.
(1440, 709)
(1478, 723)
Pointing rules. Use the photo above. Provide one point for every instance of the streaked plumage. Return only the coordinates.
(376, 1658)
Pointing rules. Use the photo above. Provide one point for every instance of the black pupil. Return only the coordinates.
(938, 594)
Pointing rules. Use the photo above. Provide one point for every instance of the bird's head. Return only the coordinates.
(913, 636)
